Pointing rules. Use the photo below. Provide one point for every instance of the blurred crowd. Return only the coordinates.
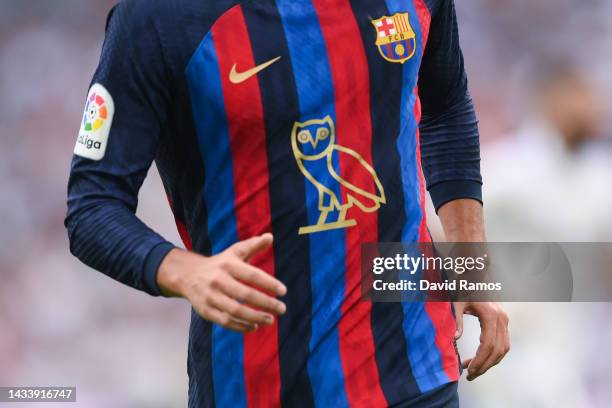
(540, 78)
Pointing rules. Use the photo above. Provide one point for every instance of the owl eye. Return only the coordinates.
(303, 136)
(322, 134)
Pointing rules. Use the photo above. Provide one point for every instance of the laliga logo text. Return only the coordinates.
(88, 142)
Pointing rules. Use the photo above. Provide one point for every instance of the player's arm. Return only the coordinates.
(450, 151)
(130, 99)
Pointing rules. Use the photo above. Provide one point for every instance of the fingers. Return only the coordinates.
(238, 311)
(248, 248)
(497, 354)
(488, 336)
(505, 335)
(258, 278)
(226, 321)
(494, 343)
(230, 292)
(459, 309)
(500, 348)
(252, 297)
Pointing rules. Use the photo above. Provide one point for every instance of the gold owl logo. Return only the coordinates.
(314, 145)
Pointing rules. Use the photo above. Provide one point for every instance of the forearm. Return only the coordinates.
(462, 221)
(111, 239)
(450, 153)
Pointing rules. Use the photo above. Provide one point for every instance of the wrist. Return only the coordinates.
(466, 233)
(462, 221)
(171, 275)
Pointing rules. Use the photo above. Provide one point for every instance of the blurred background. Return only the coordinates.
(540, 78)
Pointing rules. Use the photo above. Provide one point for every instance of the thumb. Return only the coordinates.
(459, 320)
(466, 363)
(248, 248)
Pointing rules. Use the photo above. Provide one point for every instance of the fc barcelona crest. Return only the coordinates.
(395, 38)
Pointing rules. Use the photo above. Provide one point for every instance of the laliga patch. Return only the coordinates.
(96, 124)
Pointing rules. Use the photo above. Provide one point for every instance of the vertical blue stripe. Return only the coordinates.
(204, 81)
(406, 143)
(395, 372)
(327, 249)
(425, 357)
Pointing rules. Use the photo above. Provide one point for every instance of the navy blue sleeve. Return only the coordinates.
(450, 145)
(120, 133)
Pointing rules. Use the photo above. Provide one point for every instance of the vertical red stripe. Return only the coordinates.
(442, 318)
(350, 76)
(181, 227)
(423, 232)
(184, 234)
(440, 313)
(252, 207)
(424, 19)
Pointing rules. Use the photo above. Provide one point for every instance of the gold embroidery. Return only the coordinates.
(322, 147)
(236, 77)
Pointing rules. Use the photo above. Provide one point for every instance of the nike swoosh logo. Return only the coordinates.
(238, 77)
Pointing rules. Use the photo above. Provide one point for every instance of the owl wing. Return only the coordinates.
(358, 175)
(326, 194)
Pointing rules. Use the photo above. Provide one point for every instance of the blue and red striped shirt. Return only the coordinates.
(321, 121)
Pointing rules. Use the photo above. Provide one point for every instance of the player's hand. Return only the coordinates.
(494, 335)
(225, 289)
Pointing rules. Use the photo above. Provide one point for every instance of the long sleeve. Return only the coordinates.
(120, 132)
(450, 145)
